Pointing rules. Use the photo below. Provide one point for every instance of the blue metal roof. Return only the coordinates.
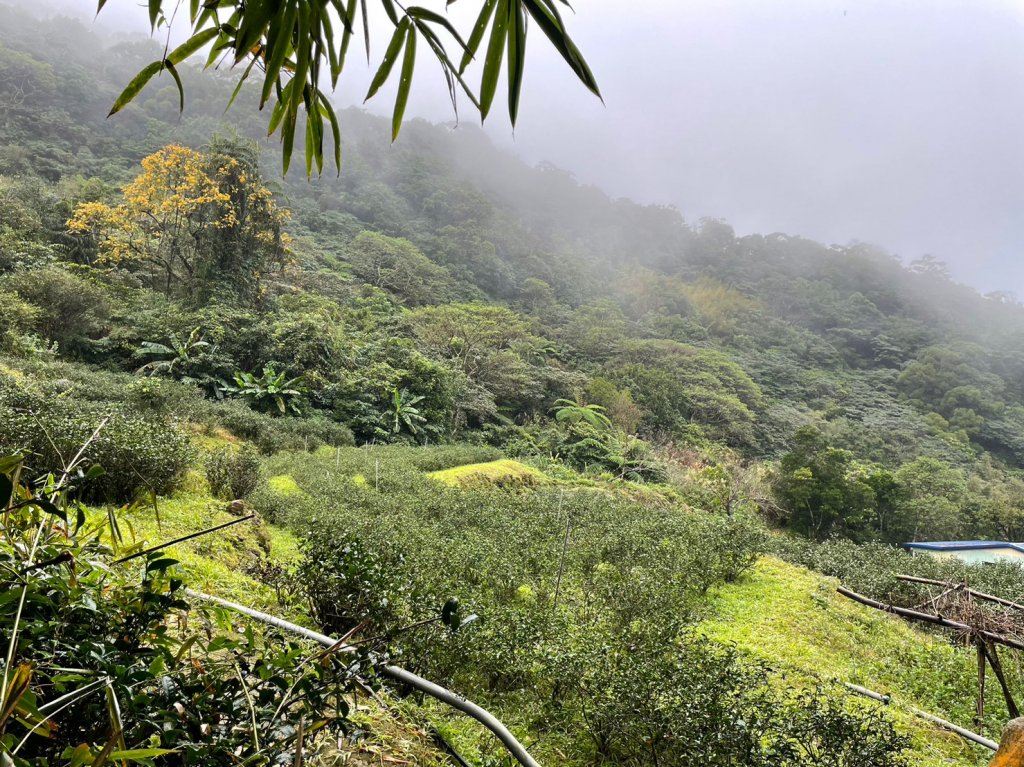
(964, 545)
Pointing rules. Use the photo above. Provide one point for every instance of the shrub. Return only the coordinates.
(271, 435)
(136, 452)
(233, 473)
(138, 670)
(72, 310)
(349, 583)
(16, 321)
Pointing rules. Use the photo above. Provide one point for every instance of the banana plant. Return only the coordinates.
(270, 391)
(405, 412)
(172, 358)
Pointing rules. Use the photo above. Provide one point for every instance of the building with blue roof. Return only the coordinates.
(970, 551)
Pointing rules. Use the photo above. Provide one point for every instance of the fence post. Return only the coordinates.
(1011, 745)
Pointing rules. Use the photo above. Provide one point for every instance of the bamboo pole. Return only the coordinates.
(937, 620)
(457, 702)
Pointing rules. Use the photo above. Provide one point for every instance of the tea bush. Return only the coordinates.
(598, 641)
(870, 569)
(271, 434)
(136, 452)
(110, 662)
(233, 473)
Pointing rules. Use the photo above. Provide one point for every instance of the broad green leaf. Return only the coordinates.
(137, 84)
(408, 64)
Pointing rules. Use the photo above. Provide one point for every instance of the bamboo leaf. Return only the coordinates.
(424, 14)
(547, 18)
(192, 45)
(404, 85)
(390, 56)
(137, 754)
(328, 112)
(492, 62)
(154, 12)
(366, 30)
(241, 82)
(277, 50)
(169, 66)
(389, 8)
(137, 84)
(516, 56)
(477, 34)
(253, 24)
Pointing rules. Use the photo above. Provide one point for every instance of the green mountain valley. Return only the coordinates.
(596, 467)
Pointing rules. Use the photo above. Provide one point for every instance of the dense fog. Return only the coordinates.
(888, 122)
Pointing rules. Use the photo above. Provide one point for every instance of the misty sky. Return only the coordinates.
(898, 123)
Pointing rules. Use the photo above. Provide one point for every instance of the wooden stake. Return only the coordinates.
(993, 659)
(979, 717)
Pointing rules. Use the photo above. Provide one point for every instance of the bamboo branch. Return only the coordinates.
(992, 655)
(182, 539)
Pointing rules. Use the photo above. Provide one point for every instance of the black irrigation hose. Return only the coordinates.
(457, 702)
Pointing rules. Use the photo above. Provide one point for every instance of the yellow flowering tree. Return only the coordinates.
(190, 219)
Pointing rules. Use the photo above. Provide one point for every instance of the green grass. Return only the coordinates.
(794, 620)
(505, 473)
(215, 563)
(284, 484)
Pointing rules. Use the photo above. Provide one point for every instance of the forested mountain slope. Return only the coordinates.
(445, 373)
(444, 269)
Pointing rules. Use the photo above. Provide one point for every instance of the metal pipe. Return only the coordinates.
(457, 702)
(886, 699)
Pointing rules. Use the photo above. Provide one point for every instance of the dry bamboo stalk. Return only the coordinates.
(937, 620)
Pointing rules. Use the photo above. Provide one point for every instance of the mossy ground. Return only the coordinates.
(504, 473)
(794, 620)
